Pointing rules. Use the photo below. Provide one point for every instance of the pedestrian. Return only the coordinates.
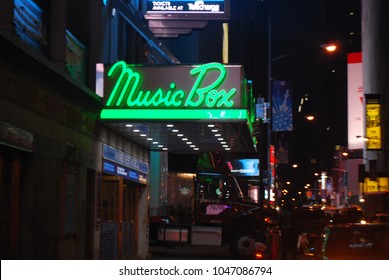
(287, 223)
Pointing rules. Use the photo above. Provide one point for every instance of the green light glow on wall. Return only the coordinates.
(174, 114)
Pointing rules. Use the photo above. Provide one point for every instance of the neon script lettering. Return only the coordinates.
(126, 90)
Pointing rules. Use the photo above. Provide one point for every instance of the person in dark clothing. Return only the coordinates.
(287, 223)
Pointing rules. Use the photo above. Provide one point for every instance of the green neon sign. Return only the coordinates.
(206, 91)
(175, 114)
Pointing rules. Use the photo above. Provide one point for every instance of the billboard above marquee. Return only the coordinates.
(188, 9)
(168, 92)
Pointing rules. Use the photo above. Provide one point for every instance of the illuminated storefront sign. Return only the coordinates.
(373, 122)
(379, 185)
(208, 91)
(206, 9)
(119, 163)
(16, 137)
(125, 159)
(125, 172)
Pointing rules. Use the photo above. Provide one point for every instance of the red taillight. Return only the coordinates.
(258, 256)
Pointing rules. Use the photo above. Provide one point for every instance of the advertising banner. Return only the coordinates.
(355, 101)
(379, 185)
(373, 122)
(28, 17)
(76, 58)
(244, 167)
(282, 118)
(281, 148)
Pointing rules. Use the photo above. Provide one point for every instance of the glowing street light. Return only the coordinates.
(329, 47)
(362, 138)
(310, 117)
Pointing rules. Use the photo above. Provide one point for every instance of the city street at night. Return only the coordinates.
(244, 131)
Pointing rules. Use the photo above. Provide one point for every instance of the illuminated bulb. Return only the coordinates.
(330, 47)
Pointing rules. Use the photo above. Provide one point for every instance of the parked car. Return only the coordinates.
(356, 241)
(351, 214)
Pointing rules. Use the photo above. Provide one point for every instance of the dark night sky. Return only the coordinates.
(300, 27)
(297, 29)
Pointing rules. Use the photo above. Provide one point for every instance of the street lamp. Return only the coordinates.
(310, 117)
(362, 138)
(329, 48)
(268, 128)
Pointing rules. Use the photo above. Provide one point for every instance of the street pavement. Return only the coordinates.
(189, 252)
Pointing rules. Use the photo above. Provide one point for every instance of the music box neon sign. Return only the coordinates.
(200, 92)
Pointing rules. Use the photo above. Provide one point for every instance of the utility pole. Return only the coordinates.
(269, 97)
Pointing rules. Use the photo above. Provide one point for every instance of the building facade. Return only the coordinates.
(59, 197)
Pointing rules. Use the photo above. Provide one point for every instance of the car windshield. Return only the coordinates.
(358, 243)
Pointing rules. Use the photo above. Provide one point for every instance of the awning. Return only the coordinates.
(187, 137)
(180, 108)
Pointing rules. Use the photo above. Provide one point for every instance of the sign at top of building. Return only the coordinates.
(191, 92)
(188, 9)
